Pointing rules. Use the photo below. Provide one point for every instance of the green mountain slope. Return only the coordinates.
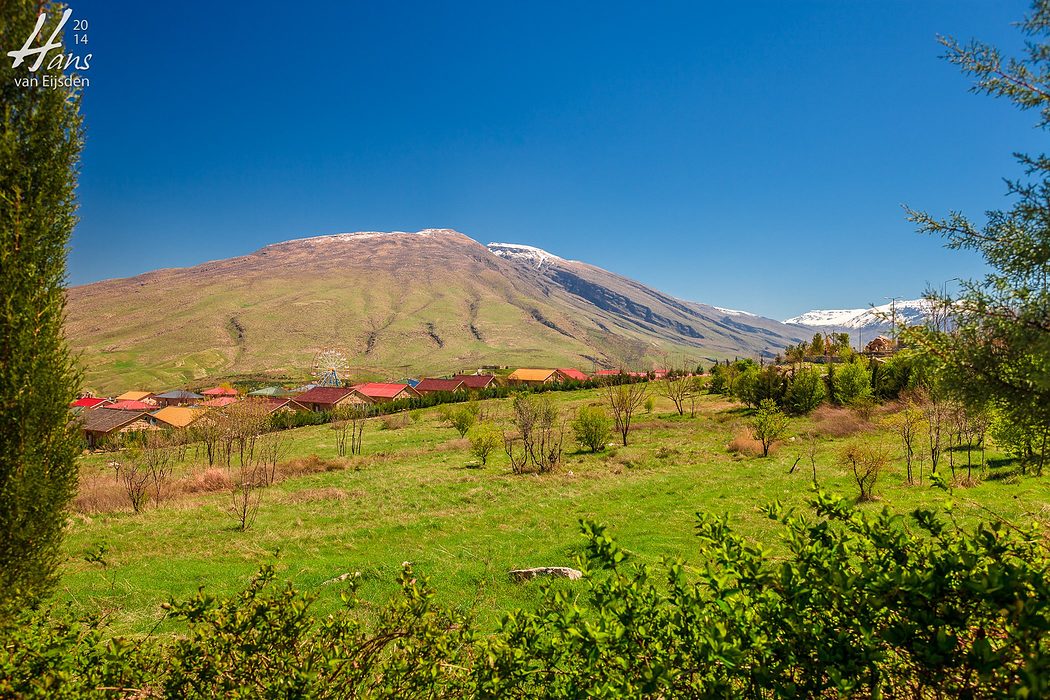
(396, 304)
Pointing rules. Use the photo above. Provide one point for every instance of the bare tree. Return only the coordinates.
(681, 389)
(541, 437)
(867, 463)
(908, 425)
(246, 496)
(625, 398)
(350, 428)
(271, 448)
(157, 460)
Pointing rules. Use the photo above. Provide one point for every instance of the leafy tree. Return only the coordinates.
(592, 428)
(805, 392)
(484, 439)
(997, 345)
(768, 425)
(852, 383)
(40, 142)
(745, 386)
(464, 417)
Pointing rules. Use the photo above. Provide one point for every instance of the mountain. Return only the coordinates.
(865, 323)
(396, 304)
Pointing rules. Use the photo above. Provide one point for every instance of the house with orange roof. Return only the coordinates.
(532, 376)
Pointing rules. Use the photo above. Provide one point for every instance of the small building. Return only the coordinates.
(177, 416)
(476, 381)
(567, 374)
(430, 386)
(98, 425)
(129, 405)
(178, 397)
(533, 376)
(143, 396)
(881, 344)
(217, 391)
(327, 398)
(380, 392)
(88, 402)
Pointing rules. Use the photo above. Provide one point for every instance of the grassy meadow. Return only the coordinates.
(417, 495)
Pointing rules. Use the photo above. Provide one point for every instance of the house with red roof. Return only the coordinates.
(379, 392)
(327, 398)
(569, 374)
(476, 381)
(430, 386)
(278, 404)
(216, 391)
(88, 402)
(219, 402)
(130, 406)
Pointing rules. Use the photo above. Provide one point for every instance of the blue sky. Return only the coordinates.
(749, 155)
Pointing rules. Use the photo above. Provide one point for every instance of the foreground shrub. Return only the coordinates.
(485, 438)
(847, 613)
(592, 428)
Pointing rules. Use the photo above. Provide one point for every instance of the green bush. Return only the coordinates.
(852, 383)
(768, 425)
(484, 438)
(805, 391)
(592, 428)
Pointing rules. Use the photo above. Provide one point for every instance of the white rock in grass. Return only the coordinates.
(553, 571)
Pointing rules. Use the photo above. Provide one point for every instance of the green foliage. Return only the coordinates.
(860, 604)
(852, 383)
(40, 141)
(592, 428)
(485, 438)
(805, 391)
(464, 417)
(995, 339)
(768, 425)
(825, 620)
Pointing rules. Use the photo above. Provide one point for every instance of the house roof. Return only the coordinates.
(608, 372)
(219, 401)
(179, 394)
(129, 406)
(219, 391)
(105, 421)
(324, 394)
(269, 391)
(574, 374)
(531, 375)
(275, 402)
(87, 402)
(381, 390)
(134, 395)
(178, 416)
(429, 384)
(476, 381)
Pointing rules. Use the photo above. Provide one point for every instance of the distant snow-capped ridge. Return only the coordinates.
(522, 253)
(361, 235)
(909, 312)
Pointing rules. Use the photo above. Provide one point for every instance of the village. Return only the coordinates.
(103, 420)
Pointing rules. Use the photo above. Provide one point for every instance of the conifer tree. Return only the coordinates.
(40, 142)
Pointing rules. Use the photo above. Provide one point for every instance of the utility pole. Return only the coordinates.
(893, 318)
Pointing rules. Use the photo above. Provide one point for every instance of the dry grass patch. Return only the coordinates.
(833, 421)
(314, 495)
(745, 444)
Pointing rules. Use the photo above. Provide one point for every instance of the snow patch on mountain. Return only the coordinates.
(734, 312)
(359, 236)
(522, 253)
(910, 312)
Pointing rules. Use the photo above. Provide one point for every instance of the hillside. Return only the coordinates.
(395, 303)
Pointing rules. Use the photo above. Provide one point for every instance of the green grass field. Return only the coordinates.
(413, 496)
